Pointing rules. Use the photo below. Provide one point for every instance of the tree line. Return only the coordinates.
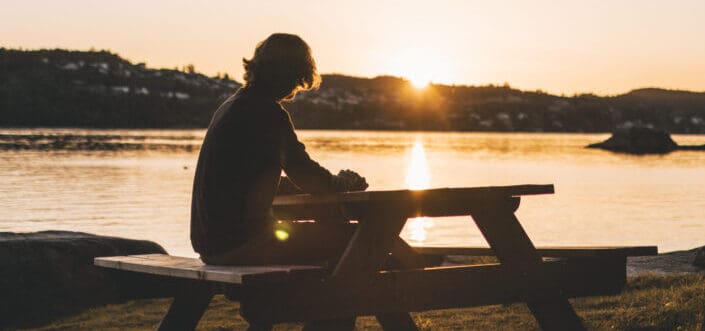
(62, 88)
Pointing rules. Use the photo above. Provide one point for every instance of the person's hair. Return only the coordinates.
(281, 66)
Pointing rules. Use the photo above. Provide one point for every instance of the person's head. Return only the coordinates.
(281, 66)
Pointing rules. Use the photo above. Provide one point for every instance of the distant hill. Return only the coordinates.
(99, 89)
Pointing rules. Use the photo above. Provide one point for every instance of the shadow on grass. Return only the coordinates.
(648, 303)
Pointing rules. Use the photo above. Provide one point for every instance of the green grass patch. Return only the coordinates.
(648, 303)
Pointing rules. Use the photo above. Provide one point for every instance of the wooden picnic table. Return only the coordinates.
(380, 274)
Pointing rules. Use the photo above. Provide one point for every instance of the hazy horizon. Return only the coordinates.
(561, 48)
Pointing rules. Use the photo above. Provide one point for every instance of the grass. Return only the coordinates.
(647, 303)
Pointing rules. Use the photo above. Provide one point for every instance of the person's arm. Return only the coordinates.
(306, 173)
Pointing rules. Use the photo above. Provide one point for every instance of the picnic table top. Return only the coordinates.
(446, 193)
(409, 203)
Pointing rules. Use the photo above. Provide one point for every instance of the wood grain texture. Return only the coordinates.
(191, 268)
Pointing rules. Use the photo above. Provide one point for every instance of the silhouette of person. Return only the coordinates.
(249, 141)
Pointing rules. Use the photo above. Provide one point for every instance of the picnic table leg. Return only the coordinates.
(375, 237)
(339, 324)
(398, 321)
(187, 308)
(514, 249)
(259, 327)
(405, 257)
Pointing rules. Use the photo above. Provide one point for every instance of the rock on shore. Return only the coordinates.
(641, 140)
(638, 140)
(50, 273)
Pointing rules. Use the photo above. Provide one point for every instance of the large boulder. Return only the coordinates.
(638, 140)
(51, 273)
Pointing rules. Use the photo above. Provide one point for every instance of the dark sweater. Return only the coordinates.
(249, 141)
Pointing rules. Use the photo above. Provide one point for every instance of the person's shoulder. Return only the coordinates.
(243, 104)
(252, 101)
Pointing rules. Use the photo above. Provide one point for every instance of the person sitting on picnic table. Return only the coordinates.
(249, 141)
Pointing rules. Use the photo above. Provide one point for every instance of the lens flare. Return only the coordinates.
(281, 235)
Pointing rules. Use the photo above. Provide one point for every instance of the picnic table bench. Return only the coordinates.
(380, 274)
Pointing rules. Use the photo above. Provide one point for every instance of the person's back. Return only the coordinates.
(235, 177)
(249, 141)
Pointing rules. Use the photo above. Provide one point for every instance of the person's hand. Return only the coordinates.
(354, 181)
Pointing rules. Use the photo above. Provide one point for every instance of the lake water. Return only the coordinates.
(601, 198)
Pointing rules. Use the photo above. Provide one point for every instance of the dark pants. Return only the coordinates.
(307, 243)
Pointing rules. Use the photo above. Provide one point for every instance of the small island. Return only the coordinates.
(642, 140)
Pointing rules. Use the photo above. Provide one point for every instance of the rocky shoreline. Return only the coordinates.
(51, 273)
(672, 263)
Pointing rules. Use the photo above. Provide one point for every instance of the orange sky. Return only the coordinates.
(607, 47)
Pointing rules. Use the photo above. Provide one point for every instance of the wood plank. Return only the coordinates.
(382, 196)
(192, 268)
(392, 292)
(434, 202)
(515, 250)
(556, 251)
(385, 294)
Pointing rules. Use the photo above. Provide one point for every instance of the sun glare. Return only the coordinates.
(419, 82)
(420, 67)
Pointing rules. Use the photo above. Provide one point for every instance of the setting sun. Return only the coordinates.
(420, 67)
(419, 82)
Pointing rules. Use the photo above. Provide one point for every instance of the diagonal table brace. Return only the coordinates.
(515, 250)
(368, 251)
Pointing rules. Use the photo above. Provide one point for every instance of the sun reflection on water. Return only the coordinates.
(418, 177)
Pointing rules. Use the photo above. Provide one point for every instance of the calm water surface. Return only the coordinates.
(601, 198)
